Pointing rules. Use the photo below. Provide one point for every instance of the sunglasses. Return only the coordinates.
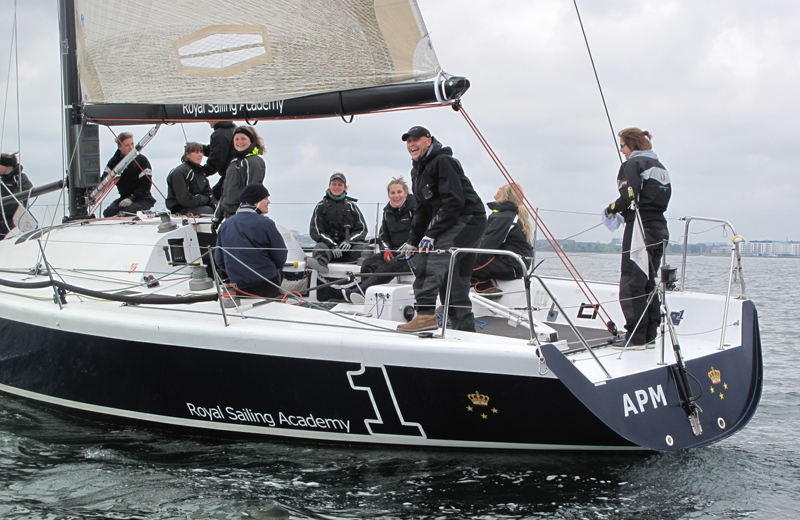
(621, 146)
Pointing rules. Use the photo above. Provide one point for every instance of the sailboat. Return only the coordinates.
(125, 319)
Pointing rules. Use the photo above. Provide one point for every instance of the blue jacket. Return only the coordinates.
(254, 239)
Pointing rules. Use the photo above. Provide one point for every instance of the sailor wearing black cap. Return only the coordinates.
(449, 214)
(249, 247)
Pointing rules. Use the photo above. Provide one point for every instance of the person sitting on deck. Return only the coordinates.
(508, 228)
(398, 215)
(337, 227)
(134, 182)
(188, 190)
(12, 181)
(250, 249)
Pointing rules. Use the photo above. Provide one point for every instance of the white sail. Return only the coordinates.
(245, 51)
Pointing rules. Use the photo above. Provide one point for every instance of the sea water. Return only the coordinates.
(53, 466)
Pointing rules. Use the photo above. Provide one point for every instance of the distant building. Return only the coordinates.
(770, 248)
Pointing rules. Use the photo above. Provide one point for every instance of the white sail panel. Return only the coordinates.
(245, 51)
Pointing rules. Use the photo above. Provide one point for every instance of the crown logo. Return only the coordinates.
(479, 399)
(715, 375)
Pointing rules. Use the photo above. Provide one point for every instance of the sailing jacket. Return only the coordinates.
(135, 181)
(247, 167)
(396, 224)
(504, 231)
(650, 183)
(443, 193)
(12, 182)
(331, 216)
(220, 151)
(188, 187)
(251, 239)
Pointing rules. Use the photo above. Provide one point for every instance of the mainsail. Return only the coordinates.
(245, 51)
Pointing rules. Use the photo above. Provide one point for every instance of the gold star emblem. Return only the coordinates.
(721, 396)
(725, 385)
(469, 408)
(494, 410)
(484, 416)
(712, 389)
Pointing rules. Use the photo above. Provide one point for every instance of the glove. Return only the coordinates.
(124, 203)
(407, 249)
(345, 246)
(337, 253)
(214, 226)
(610, 210)
(387, 255)
(426, 244)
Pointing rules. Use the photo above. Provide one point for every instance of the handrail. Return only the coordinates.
(736, 253)
(527, 278)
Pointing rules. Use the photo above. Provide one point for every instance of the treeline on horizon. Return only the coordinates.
(571, 246)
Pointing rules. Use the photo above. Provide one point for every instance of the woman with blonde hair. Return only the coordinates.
(398, 215)
(508, 228)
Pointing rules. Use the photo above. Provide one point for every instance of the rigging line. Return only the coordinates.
(8, 77)
(597, 78)
(573, 271)
(16, 65)
(582, 232)
(185, 139)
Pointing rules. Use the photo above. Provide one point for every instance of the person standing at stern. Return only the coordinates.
(449, 214)
(642, 182)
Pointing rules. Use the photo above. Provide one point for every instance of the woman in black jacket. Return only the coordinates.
(12, 181)
(188, 189)
(247, 167)
(508, 228)
(398, 215)
(337, 227)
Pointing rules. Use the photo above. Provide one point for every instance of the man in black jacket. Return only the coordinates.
(449, 214)
(220, 153)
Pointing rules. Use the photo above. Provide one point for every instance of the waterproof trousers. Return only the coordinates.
(432, 270)
(635, 285)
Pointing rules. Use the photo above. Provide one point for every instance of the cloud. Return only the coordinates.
(713, 81)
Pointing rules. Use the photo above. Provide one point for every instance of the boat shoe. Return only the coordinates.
(317, 265)
(419, 323)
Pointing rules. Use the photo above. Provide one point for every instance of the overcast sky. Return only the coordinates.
(715, 83)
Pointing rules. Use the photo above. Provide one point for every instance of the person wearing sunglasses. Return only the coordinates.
(644, 184)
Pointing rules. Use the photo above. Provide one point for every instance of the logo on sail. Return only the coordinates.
(222, 50)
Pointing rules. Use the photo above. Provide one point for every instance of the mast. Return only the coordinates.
(82, 142)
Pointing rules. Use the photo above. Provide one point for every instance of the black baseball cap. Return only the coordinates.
(338, 176)
(416, 131)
